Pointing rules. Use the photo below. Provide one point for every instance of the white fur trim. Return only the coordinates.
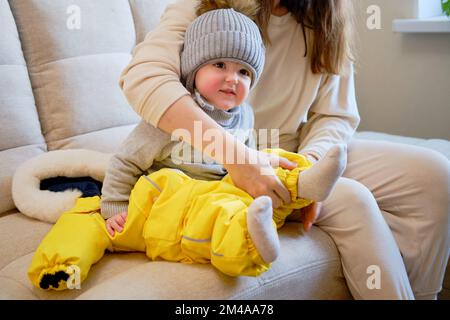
(47, 205)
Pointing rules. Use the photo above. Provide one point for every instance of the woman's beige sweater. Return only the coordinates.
(311, 111)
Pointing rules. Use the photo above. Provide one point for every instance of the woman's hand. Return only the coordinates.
(116, 223)
(258, 178)
(310, 214)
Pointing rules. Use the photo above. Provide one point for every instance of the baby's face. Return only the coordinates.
(224, 84)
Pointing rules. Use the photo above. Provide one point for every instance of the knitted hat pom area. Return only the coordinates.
(224, 30)
(249, 8)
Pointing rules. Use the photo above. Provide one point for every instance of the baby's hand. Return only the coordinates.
(116, 223)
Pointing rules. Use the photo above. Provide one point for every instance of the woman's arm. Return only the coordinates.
(333, 118)
(151, 83)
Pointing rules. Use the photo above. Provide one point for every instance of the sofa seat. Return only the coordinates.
(308, 268)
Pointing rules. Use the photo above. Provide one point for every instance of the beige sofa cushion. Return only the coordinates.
(308, 267)
(20, 131)
(146, 15)
(75, 72)
(19, 236)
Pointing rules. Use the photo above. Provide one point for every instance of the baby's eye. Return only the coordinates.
(219, 65)
(245, 72)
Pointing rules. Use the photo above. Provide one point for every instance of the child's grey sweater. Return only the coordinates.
(148, 149)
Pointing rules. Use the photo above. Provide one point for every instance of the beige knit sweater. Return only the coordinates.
(311, 111)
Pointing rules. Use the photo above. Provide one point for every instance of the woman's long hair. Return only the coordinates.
(330, 26)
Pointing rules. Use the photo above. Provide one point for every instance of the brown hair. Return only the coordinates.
(330, 25)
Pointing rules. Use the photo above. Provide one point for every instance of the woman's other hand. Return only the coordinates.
(310, 214)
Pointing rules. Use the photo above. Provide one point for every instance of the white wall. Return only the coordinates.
(403, 80)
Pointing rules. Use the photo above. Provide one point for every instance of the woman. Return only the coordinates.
(382, 212)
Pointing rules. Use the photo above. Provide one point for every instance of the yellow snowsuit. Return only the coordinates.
(170, 217)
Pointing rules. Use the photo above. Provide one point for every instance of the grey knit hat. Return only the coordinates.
(222, 34)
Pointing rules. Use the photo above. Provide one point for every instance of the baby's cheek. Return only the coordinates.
(242, 94)
(210, 87)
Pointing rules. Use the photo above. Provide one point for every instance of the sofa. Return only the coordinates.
(59, 67)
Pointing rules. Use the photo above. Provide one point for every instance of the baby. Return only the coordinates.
(222, 59)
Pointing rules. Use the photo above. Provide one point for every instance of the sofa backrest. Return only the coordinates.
(20, 131)
(60, 63)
